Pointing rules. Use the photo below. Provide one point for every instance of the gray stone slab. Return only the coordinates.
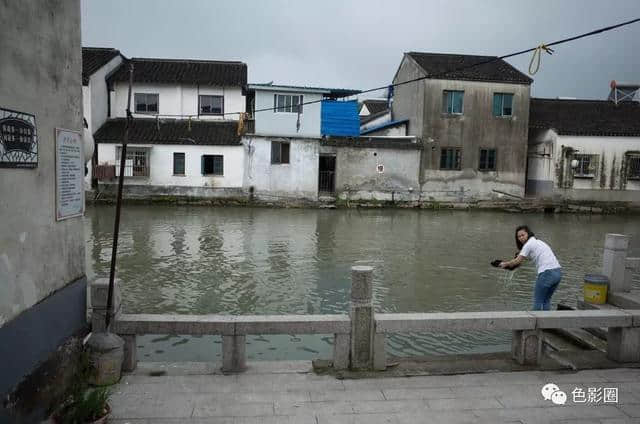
(550, 413)
(616, 242)
(456, 321)
(213, 408)
(403, 382)
(464, 404)
(176, 405)
(418, 393)
(346, 395)
(619, 375)
(631, 410)
(292, 324)
(174, 324)
(313, 408)
(292, 419)
(636, 316)
(581, 319)
(389, 406)
(623, 300)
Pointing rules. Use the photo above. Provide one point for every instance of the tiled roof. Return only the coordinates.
(586, 117)
(376, 105)
(205, 72)
(461, 67)
(94, 58)
(336, 92)
(170, 131)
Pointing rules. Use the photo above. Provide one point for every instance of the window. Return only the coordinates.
(452, 102)
(178, 164)
(287, 103)
(487, 160)
(502, 104)
(633, 166)
(450, 158)
(136, 164)
(146, 103)
(212, 165)
(587, 166)
(211, 105)
(279, 152)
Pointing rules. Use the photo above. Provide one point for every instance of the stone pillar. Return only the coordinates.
(130, 352)
(99, 294)
(623, 344)
(613, 260)
(631, 265)
(233, 353)
(362, 319)
(341, 346)
(526, 346)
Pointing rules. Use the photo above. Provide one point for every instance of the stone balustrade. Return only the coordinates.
(360, 336)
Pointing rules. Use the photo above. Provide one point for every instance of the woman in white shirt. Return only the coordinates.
(548, 267)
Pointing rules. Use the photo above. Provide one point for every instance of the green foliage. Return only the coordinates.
(83, 404)
(85, 407)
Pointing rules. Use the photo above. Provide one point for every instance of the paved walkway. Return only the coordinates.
(287, 392)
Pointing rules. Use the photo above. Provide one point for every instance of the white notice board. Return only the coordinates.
(69, 174)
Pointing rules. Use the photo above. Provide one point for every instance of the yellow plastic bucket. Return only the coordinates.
(595, 288)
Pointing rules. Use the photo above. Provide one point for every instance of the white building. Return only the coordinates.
(586, 150)
(276, 112)
(97, 64)
(184, 137)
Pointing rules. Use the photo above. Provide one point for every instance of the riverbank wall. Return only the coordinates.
(244, 198)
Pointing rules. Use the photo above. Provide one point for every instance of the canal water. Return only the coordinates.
(203, 260)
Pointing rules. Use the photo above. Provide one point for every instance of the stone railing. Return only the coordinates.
(360, 336)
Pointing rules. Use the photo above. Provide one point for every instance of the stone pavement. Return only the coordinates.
(288, 392)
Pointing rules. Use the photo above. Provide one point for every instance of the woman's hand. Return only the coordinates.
(503, 264)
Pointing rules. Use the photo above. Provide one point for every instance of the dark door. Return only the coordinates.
(327, 174)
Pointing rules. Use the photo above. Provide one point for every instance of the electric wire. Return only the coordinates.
(544, 46)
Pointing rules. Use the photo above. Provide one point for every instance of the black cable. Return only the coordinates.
(462, 68)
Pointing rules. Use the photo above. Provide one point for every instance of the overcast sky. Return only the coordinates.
(359, 44)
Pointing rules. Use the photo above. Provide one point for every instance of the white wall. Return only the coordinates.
(609, 149)
(284, 123)
(95, 103)
(177, 99)
(161, 165)
(299, 178)
(40, 69)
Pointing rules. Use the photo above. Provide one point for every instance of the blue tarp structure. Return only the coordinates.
(340, 118)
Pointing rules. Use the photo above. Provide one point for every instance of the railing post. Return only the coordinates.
(526, 346)
(363, 336)
(631, 265)
(623, 344)
(99, 294)
(613, 260)
(341, 346)
(233, 353)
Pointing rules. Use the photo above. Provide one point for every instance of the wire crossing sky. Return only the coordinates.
(359, 44)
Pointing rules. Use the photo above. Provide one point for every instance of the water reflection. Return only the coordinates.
(280, 261)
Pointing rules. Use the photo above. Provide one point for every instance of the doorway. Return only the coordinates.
(327, 174)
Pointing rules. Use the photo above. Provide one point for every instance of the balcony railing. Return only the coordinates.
(111, 171)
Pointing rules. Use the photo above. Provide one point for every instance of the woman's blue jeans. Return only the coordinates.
(546, 284)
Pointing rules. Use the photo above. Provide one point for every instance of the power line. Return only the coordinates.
(462, 68)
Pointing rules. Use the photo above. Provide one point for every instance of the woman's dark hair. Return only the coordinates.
(529, 232)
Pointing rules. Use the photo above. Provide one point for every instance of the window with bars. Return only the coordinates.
(178, 164)
(450, 158)
(211, 105)
(287, 103)
(146, 102)
(136, 163)
(452, 102)
(587, 166)
(633, 166)
(279, 152)
(502, 104)
(212, 165)
(487, 160)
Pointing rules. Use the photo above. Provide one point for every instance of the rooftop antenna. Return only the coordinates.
(621, 91)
